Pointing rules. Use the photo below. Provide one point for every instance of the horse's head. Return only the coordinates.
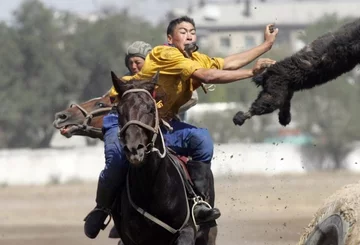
(138, 117)
(83, 119)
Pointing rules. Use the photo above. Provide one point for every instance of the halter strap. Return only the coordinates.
(155, 130)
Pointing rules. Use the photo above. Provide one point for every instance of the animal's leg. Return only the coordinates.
(113, 232)
(206, 236)
(212, 235)
(240, 117)
(186, 236)
(284, 113)
(265, 103)
(202, 236)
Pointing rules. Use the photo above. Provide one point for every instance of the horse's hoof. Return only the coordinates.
(239, 118)
(284, 118)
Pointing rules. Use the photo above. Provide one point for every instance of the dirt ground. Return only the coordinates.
(256, 210)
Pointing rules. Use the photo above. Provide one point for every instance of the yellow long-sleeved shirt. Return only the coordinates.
(174, 78)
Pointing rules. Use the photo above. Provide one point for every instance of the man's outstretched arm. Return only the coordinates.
(236, 61)
(215, 76)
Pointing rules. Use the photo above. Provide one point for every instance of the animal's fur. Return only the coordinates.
(323, 60)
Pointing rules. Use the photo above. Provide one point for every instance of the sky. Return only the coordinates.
(152, 10)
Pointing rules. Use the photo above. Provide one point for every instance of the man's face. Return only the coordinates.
(135, 64)
(184, 33)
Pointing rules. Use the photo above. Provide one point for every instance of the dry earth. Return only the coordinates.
(255, 209)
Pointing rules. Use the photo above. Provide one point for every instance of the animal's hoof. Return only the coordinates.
(284, 118)
(239, 118)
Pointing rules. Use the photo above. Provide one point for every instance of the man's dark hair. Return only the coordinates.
(177, 21)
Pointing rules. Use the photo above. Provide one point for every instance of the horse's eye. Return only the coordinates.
(100, 104)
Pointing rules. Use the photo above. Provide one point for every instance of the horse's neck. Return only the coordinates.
(144, 180)
(158, 189)
(148, 171)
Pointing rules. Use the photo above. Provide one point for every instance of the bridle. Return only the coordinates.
(88, 117)
(154, 130)
(151, 148)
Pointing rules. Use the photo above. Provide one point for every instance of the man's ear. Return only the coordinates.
(169, 39)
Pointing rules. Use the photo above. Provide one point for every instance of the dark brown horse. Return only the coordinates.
(156, 205)
(84, 119)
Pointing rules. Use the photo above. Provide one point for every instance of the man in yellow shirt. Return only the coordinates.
(179, 76)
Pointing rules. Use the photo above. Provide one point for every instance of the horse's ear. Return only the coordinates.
(119, 84)
(155, 78)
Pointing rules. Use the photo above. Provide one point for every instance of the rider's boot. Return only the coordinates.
(201, 177)
(111, 180)
(95, 220)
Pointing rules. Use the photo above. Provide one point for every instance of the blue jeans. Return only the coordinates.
(185, 139)
(116, 164)
(188, 140)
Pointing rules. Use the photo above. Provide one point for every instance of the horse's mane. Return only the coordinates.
(139, 83)
(134, 83)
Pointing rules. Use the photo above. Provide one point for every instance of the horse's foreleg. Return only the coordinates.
(206, 236)
(212, 235)
(186, 236)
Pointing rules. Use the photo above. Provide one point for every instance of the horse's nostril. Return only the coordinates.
(61, 116)
(126, 149)
(140, 146)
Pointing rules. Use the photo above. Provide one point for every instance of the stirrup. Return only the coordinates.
(105, 210)
(196, 201)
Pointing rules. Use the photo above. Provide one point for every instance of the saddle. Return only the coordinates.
(180, 162)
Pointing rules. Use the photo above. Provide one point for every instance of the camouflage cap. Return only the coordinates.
(138, 49)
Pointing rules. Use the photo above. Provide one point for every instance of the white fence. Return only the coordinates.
(81, 163)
